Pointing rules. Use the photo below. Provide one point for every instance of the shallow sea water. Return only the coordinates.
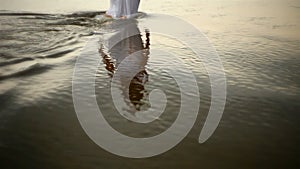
(258, 42)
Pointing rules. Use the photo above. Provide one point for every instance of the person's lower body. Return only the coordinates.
(122, 9)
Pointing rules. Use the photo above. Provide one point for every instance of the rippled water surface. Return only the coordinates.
(258, 42)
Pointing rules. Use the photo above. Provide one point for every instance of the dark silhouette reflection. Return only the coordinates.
(129, 48)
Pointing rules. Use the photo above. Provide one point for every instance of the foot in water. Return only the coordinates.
(109, 16)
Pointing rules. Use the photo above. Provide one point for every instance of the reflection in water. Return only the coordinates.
(136, 53)
(39, 128)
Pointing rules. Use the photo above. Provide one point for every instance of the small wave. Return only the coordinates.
(86, 14)
(89, 14)
(79, 21)
(56, 54)
(60, 43)
(73, 21)
(14, 61)
(6, 55)
(27, 70)
(41, 17)
(51, 36)
(6, 87)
